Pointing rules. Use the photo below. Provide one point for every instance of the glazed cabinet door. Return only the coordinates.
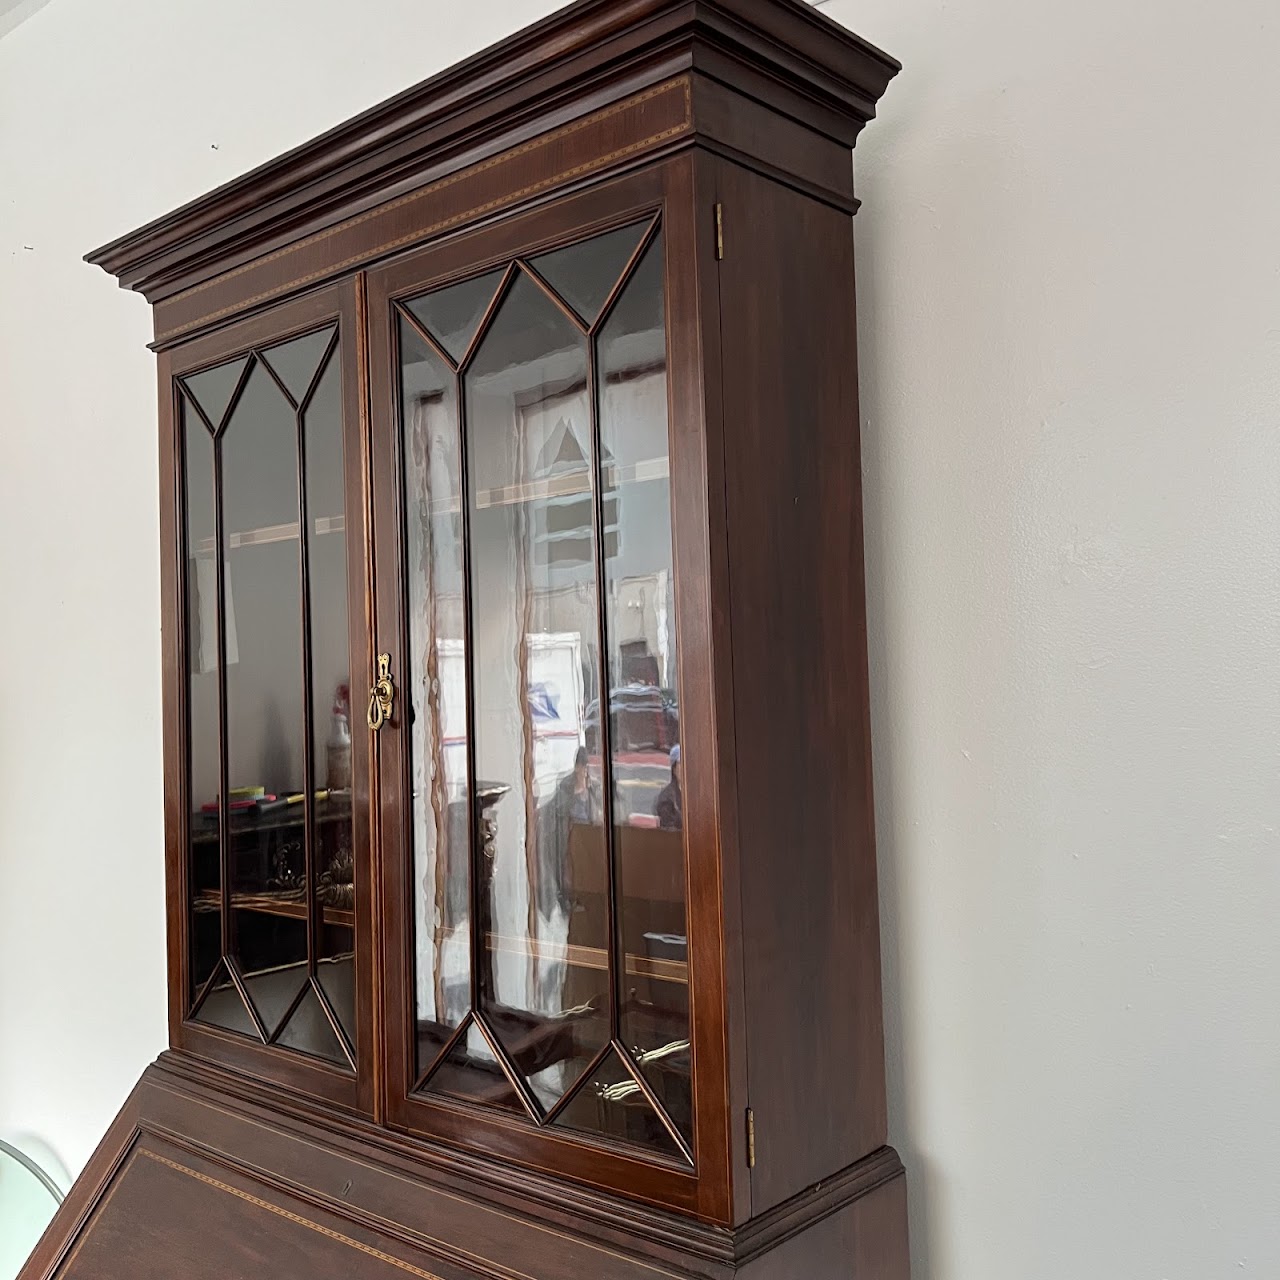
(267, 801)
(538, 904)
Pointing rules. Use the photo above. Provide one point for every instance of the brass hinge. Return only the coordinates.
(751, 1138)
(719, 232)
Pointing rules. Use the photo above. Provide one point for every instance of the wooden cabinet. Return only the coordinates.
(522, 890)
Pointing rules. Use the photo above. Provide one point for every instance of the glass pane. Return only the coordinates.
(212, 389)
(435, 695)
(224, 1008)
(336, 939)
(472, 1072)
(310, 1031)
(336, 976)
(644, 721)
(543, 987)
(612, 1105)
(451, 316)
(264, 682)
(584, 274)
(330, 688)
(202, 703)
(297, 361)
(273, 960)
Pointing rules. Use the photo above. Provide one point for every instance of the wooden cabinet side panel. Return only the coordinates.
(864, 1240)
(793, 497)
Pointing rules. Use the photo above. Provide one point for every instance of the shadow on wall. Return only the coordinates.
(15, 12)
(894, 933)
(875, 379)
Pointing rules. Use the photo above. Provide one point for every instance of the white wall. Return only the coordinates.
(1070, 291)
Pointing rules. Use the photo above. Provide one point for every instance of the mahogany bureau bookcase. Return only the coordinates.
(521, 879)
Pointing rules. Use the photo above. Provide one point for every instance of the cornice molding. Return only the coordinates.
(571, 63)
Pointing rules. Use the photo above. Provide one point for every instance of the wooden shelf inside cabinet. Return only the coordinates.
(268, 905)
(287, 532)
(525, 407)
(660, 970)
(248, 823)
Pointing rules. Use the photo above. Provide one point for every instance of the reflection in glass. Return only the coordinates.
(297, 362)
(212, 390)
(541, 504)
(330, 686)
(585, 273)
(224, 1008)
(611, 1104)
(470, 1071)
(436, 694)
(452, 316)
(265, 690)
(533, 589)
(644, 723)
(205, 869)
(310, 1031)
(280, 932)
(272, 958)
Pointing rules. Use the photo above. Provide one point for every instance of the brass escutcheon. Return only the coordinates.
(382, 695)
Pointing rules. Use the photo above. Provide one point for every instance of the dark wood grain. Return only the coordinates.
(611, 138)
(142, 1228)
(701, 577)
(733, 123)
(235, 1157)
(865, 1239)
(577, 60)
(801, 722)
(203, 1176)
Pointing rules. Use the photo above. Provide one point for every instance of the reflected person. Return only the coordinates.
(670, 803)
(576, 802)
(577, 797)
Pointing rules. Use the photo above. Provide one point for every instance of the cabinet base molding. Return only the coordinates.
(203, 1175)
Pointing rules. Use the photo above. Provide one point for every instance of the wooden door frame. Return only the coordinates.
(341, 303)
(666, 188)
